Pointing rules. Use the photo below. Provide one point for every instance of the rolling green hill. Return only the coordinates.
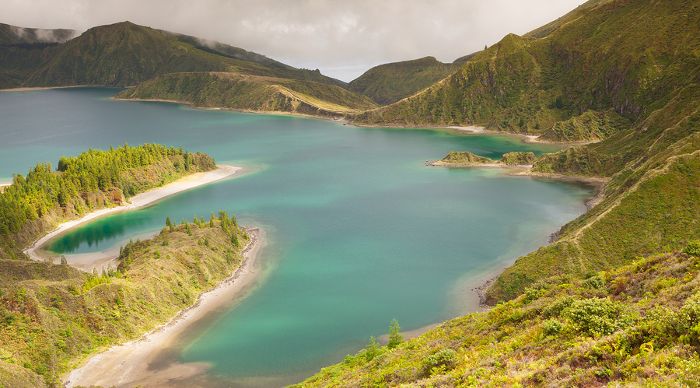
(388, 83)
(251, 92)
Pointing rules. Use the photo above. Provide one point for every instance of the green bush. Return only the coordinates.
(441, 360)
(596, 316)
(552, 327)
(693, 248)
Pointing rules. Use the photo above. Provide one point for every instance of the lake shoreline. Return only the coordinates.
(337, 119)
(129, 363)
(37, 252)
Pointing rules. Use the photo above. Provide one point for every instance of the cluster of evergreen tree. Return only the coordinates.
(107, 174)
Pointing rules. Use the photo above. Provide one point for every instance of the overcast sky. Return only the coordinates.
(342, 38)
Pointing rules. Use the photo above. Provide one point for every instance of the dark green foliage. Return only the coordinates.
(596, 316)
(372, 349)
(552, 327)
(693, 248)
(388, 83)
(440, 361)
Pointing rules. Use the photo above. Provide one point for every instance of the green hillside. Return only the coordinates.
(249, 92)
(628, 57)
(638, 325)
(390, 82)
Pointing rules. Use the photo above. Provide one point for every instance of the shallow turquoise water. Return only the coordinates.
(360, 231)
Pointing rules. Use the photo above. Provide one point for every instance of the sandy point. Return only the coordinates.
(131, 364)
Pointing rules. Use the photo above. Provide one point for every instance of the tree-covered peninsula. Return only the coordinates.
(43, 198)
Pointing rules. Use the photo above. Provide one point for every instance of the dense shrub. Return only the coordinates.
(442, 360)
(596, 316)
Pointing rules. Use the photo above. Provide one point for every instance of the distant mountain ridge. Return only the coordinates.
(12, 35)
(125, 54)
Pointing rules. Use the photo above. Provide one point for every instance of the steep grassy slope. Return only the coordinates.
(626, 56)
(638, 325)
(248, 92)
(53, 316)
(390, 82)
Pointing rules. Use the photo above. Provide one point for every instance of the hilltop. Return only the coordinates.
(390, 82)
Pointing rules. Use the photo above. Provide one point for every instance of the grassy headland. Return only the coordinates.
(54, 316)
(249, 92)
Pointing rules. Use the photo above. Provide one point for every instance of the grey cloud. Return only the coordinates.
(342, 38)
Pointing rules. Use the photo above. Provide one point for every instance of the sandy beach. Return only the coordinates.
(129, 364)
(88, 261)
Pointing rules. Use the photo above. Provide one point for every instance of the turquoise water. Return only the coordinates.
(360, 230)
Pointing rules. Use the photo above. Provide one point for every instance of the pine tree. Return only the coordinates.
(395, 337)
(372, 349)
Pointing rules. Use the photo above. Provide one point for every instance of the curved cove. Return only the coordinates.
(360, 230)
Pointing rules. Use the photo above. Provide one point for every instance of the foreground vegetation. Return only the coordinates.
(636, 325)
(92, 180)
(52, 317)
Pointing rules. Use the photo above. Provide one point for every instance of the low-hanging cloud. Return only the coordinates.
(342, 38)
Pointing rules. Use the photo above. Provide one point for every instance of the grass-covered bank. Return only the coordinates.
(638, 324)
(54, 316)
